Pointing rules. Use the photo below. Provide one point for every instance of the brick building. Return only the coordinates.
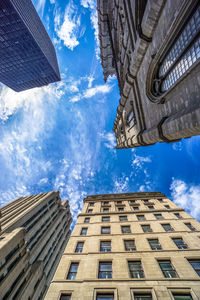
(137, 246)
(153, 47)
(34, 232)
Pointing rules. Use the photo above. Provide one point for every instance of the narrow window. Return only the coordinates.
(90, 211)
(167, 227)
(146, 228)
(167, 206)
(180, 243)
(180, 57)
(181, 296)
(72, 271)
(91, 204)
(105, 270)
(87, 220)
(142, 296)
(126, 229)
(105, 230)
(65, 297)
(158, 216)
(195, 263)
(135, 269)
(155, 244)
(105, 209)
(135, 207)
(151, 207)
(105, 219)
(105, 246)
(123, 218)
(105, 297)
(83, 231)
(129, 245)
(131, 202)
(79, 247)
(167, 269)
(141, 217)
(189, 225)
(120, 209)
(131, 119)
(105, 202)
(119, 202)
(178, 215)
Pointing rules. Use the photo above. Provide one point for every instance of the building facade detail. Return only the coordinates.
(146, 254)
(153, 47)
(34, 232)
(27, 55)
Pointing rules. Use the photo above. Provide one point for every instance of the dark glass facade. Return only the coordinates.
(27, 55)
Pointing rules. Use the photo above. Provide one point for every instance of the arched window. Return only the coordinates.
(184, 52)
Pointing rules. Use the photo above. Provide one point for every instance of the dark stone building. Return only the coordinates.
(153, 47)
(27, 55)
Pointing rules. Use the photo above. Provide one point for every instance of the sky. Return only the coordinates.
(60, 137)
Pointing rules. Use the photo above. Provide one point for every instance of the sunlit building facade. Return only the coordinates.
(153, 47)
(34, 233)
(134, 246)
(27, 55)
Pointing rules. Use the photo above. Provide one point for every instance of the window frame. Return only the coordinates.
(86, 218)
(139, 270)
(105, 241)
(103, 227)
(79, 242)
(84, 228)
(172, 268)
(145, 225)
(69, 272)
(151, 245)
(104, 220)
(125, 220)
(179, 238)
(134, 245)
(127, 226)
(105, 262)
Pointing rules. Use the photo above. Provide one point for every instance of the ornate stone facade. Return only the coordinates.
(131, 246)
(153, 47)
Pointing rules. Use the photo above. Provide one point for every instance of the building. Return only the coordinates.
(153, 47)
(137, 246)
(33, 236)
(27, 55)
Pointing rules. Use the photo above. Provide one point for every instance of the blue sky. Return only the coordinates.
(60, 137)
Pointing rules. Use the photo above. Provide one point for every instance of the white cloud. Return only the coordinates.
(68, 29)
(109, 140)
(43, 180)
(41, 5)
(121, 185)
(186, 196)
(138, 161)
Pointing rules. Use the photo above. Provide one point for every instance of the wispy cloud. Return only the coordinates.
(67, 28)
(109, 140)
(40, 6)
(187, 196)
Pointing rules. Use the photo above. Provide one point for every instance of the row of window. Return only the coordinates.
(127, 228)
(137, 296)
(122, 208)
(135, 269)
(129, 245)
(158, 216)
(119, 202)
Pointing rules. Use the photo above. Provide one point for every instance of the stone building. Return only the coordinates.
(153, 47)
(136, 246)
(27, 55)
(33, 236)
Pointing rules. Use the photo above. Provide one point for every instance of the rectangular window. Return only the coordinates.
(79, 247)
(90, 211)
(135, 269)
(155, 244)
(123, 218)
(72, 271)
(105, 270)
(105, 297)
(120, 209)
(65, 297)
(142, 296)
(129, 245)
(83, 231)
(189, 225)
(87, 220)
(135, 207)
(141, 217)
(167, 206)
(105, 219)
(195, 263)
(126, 229)
(105, 246)
(91, 204)
(105, 230)
(132, 202)
(105, 209)
(167, 227)
(181, 296)
(180, 243)
(150, 207)
(146, 201)
(167, 269)
(178, 215)
(158, 216)
(105, 202)
(146, 228)
(119, 202)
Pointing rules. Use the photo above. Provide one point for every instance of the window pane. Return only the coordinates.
(196, 265)
(105, 297)
(167, 227)
(105, 246)
(105, 219)
(72, 271)
(135, 269)
(129, 245)
(180, 243)
(158, 216)
(65, 297)
(155, 244)
(142, 297)
(167, 269)
(84, 231)
(79, 247)
(105, 229)
(146, 228)
(141, 217)
(182, 297)
(123, 218)
(87, 220)
(126, 229)
(105, 270)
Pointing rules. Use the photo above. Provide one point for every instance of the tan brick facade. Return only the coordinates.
(34, 233)
(156, 211)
